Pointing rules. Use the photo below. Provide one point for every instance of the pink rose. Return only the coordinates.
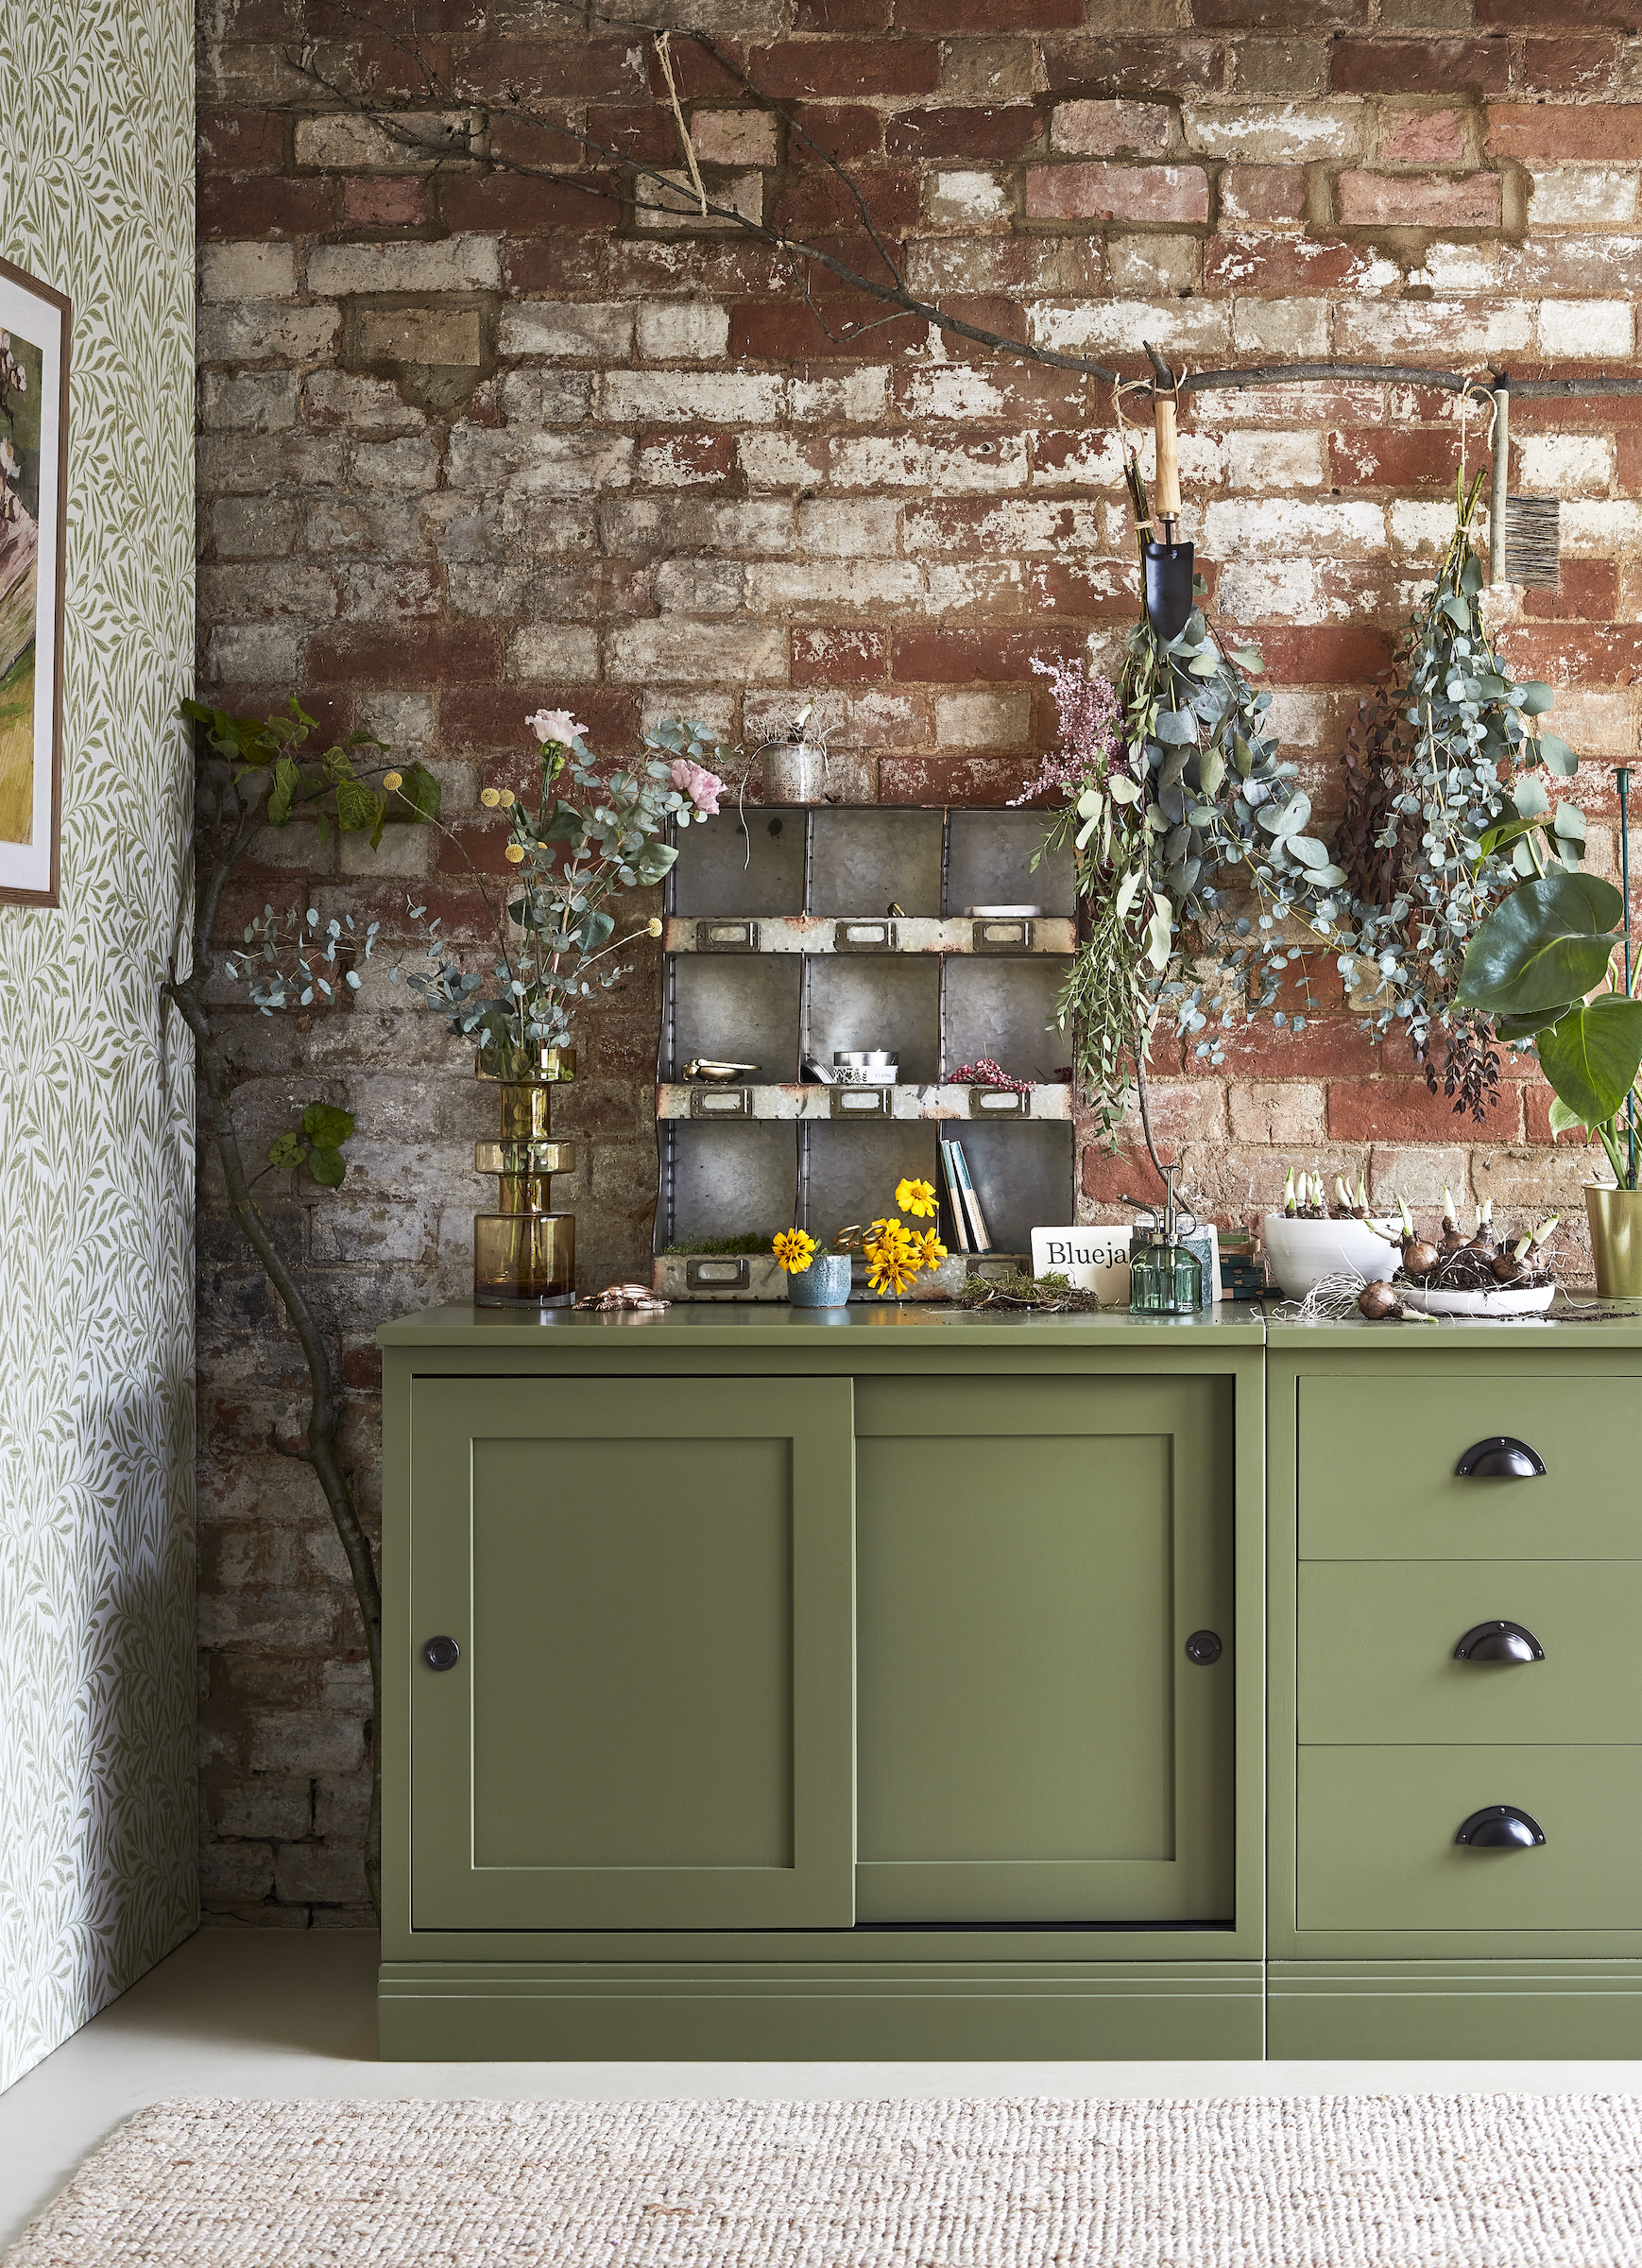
(703, 788)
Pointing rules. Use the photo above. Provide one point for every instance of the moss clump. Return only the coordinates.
(717, 1247)
(1048, 1294)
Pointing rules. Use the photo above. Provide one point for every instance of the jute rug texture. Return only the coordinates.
(1392, 2181)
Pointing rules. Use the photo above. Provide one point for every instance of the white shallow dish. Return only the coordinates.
(1534, 1302)
(1001, 913)
(1303, 1252)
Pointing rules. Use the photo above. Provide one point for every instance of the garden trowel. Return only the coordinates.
(1167, 565)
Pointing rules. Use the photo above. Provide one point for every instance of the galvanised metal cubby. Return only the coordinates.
(795, 931)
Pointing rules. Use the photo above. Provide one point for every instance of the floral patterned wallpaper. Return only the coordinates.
(96, 1402)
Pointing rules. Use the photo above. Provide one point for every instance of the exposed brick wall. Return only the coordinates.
(472, 442)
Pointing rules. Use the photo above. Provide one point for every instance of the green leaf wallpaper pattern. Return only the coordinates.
(97, 1349)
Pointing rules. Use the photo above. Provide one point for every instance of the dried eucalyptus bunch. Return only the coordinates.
(1448, 812)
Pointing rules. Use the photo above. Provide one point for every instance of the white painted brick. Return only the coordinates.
(702, 653)
(781, 460)
(1144, 265)
(1597, 724)
(823, 593)
(642, 526)
(1098, 461)
(716, 398)
(1568, 464)
(363, 405)
(690, 330)
(1580, 196)
(699, 586)
(248, 271)
(1297, 329)
(983, 720)
(346, 142)
(1276, 591)
(1118, 326)
(1601, 529)
(909, 463)
(832, 529)
(1385, 330)
(968, 390)
(457, 264)
(849, 397)
(551, 653)
(967, 199)
(672, 203)
(261, 330)
(1012, 526)
(1421, 528)
(734, 137)
(977, 587)
(1321, 529)
(413, 463)
(574, 464)
(1586, 330)
(1292, 131)
(714, 712)
(1455, 267)
(1256, 462)
(566, 330)
(853, 720)
(253, 653)
(263, 401)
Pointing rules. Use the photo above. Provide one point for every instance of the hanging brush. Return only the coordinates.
(1524, 534)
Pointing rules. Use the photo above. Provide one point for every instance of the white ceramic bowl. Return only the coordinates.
(1503, 1302)
(1303, 1252)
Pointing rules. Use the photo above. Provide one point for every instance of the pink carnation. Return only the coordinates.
(555, 725)
(703, 788)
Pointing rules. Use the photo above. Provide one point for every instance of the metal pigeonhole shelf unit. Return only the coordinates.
(781, 943)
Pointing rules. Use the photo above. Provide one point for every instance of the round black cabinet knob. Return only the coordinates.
(1502, 1827)
(1203, 1647)
(442, 1652)
(1499, 1642)
(1501, 1458)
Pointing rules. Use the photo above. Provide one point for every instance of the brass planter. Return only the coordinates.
(524, 1253)
(1615, 1218)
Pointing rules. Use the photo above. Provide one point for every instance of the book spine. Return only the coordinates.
(977, 1218)
(954, 1189)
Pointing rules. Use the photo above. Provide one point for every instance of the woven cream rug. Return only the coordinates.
(1389, 2181)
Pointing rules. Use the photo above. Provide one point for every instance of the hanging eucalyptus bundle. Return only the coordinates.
(1448, 812)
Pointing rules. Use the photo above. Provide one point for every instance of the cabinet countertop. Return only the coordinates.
(1240, 1324)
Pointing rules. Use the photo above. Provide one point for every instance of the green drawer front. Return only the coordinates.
(1377, 1850)
(1376, 1652)
(1377, 1457)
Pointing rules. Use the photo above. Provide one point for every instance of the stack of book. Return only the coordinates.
(969, 1222)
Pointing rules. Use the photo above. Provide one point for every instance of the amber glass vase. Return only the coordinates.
(524, 1254)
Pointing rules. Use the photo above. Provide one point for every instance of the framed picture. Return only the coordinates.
(34, 326)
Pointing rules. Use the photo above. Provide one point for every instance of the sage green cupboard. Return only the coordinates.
(782, 1683)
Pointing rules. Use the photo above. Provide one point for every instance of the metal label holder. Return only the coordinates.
(1000, 937)
(721, 1101)
(998, 1102)
(864, 936)
(727, 936)
(863, 1102)
(719, 1275)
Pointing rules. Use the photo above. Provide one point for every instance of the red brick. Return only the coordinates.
(1589, 589)
(841, 15)
(1368, 456)
(1423, 138)
(1575, 66)
(1598, 14)
(331, 709)
(1626, 465)
(775, 331)
(1268, 263)
(1145, 66)
(484, 715)
(1536, 1117)
(1407, 1110)
(708, 458)
(936, 657)
(1333, 1048)
(235, 140)
(1264, 192)
(1427, 201)
(1595, 654)
(469, 846)
(1608, 131)
(838, 129)
(1309, 654)
(1110, 1175)
(963, 779)
(840, 657)
(1287, 15)
(387, 68)
(819, 204)
(1557, 413)
(513, 204)
(1420, 66)
(948, 16)
(820, 70)
(264, 208)
(432, 653)
(643, 132)
(1146, 192)
(341, 19)
(985, 131)
(362, 1369)
(559, 267)
(377, 202)
(555, 69)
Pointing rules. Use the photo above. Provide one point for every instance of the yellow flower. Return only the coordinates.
(889, 1232)
(392, 779)
(794, 1251)
(917, 1197)
(507, 799)
(930, 1249)
(653, 927)
(490, 797)
(889, 1269)
(514, 855)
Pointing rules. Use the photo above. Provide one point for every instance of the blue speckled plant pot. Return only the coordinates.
(824, 1283)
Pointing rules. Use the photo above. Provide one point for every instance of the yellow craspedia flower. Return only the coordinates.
(490, 797)
(507, 799)
(794, 1251)
(392, 779)
(917, 1197)
(653, 927)
(514, 855)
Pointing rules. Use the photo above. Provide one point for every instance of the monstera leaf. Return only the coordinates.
(1592, 1056)
(1546, 946)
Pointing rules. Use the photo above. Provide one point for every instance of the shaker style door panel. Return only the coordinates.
(649, 1724)
(1034, 1745)
(1377, 1459)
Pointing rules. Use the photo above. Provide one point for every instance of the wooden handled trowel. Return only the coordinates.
(1167, 565)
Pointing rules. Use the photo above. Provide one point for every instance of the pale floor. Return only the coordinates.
(266, 2014)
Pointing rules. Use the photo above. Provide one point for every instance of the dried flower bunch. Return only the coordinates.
(896, 1254)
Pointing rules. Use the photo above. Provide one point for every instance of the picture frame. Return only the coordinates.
(35, 322)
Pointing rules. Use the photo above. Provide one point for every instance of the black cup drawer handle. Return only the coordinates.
(1500, 1458)
(1502, 1827)
(1499, 1642)
(442, 1652)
